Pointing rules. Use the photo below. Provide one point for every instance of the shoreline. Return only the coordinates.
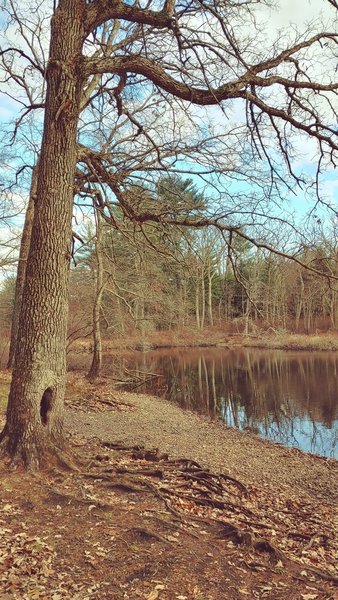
(153, 422)
(76, 382)
(130, 418)
(192, 339)
(214, 339)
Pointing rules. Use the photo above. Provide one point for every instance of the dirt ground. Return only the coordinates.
(167, 505)
(158, 423)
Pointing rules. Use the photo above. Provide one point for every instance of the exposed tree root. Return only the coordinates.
(169, 525)
(205, 479)
(146, 472)
(192, 469)
(126, 487)
(60, 494)
(188, 463)
(235, 481)
(199, 474)
(119, 446)
(139, 452)
(35, 455)
(204, 489)
(150, 455)
(148, 534)
(320, 573)
(68, 461)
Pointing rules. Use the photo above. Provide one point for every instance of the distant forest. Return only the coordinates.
(151, 277)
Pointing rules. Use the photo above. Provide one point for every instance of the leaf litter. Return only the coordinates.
(136, 523)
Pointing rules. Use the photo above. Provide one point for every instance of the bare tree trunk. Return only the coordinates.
(34, 426)
(21, 272)
(333, 308)
(202, 319)
(210, 312)
(247, 316)
(120, 315)
(300, 301)
(184, 303)
(197, 304)
(227, 301)
(96, 365)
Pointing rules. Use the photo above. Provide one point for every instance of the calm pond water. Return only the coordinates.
(288, 397)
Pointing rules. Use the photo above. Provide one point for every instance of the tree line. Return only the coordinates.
(131, 279)
(153, 278)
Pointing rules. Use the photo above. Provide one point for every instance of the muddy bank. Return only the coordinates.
(138, 419)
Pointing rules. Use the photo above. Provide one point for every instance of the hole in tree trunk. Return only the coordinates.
(46, 405)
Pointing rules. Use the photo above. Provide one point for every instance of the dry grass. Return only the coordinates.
(284, 341)
(160, 339)
(225, 336)
(216, 337)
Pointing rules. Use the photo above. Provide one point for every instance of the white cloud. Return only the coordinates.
(330, 191)
(8, 107)
(299, 13)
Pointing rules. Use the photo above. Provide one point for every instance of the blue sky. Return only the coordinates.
(290, 12)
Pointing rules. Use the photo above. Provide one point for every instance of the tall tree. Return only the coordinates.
(214, 63)
(100, 285)
(21, 270)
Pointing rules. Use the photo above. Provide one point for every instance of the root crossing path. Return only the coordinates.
(138, 419)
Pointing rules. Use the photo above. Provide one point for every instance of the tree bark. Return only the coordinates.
(197, 303)
(96, 365)
(21, 272)
(34, 424)
(210, 311)
(202, 315)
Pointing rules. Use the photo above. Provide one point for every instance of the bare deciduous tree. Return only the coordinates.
(186, 54)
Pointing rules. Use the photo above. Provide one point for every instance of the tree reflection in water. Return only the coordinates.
(288, 397)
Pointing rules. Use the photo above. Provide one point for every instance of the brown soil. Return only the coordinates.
(154, 422)
(140, 523)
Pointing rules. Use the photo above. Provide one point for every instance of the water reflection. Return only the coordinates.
(290, 398)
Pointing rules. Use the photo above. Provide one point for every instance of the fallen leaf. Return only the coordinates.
(171, 538)
(153, 595)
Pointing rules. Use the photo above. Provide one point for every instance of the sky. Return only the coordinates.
(291, 13)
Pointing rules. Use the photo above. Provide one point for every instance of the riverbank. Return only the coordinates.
(147, 516)
(153, 422)
(215, 338)
(140, 419)
(206, 338)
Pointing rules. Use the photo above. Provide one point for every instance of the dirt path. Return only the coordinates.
(153, 422)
